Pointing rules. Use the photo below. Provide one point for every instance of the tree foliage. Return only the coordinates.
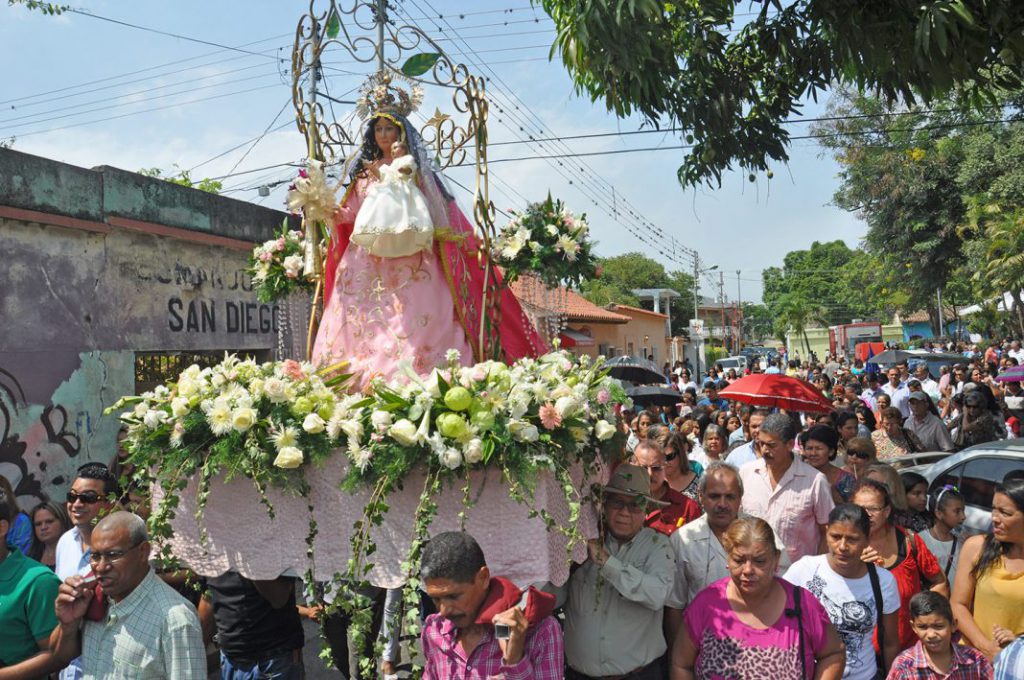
(942, 194)
(728, 77)
(184, 178)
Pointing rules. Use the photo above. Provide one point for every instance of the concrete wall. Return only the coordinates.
(818, 338)
(97, 266)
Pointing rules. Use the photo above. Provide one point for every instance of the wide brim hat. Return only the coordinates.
(632, 480)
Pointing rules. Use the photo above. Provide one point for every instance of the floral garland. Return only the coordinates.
(271, 421)
(547, 241)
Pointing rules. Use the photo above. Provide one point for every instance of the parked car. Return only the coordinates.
(738, 363)
(975, 472)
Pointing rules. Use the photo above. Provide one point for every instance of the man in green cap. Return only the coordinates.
(613, 615)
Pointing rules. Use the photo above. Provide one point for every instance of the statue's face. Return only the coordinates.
(386, 133)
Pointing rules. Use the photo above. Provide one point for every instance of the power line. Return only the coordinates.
(585, 179)
(143, 70)
(238, 146)
(199, 41)
(136, 113)
(260, 138)
(37, 120)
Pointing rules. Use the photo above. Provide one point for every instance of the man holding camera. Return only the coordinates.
(484, 626)
(616, 599)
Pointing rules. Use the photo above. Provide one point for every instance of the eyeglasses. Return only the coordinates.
(87, 497)
(636, 506)
(863, 455)
(111, 556)
(651, 468)
(873, 509)
(671, 456)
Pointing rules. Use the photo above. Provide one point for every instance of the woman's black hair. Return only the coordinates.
(993, 549)
(854, 514)
(868, 415)
(912, 479)
(843, 417)
(824, 434)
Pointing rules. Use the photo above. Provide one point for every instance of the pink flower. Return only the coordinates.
(603, 396)
(303, 174)
(291, 275)
(279, 244)
(549, 417)
(569, 221)
(266, 257)
(292, 369)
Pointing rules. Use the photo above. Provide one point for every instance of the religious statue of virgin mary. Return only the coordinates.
(403, 277)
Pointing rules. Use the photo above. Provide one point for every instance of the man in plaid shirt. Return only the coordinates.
(485, 626)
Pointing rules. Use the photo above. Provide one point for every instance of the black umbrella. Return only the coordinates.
(654, 396)
(895, 356)
(635, 370)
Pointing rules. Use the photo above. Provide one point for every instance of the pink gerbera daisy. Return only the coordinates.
(549, 417)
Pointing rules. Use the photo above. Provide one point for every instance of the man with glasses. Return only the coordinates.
(90, 496)
(786, 492)
(144, 629)
(679, 509)
(700, 557)
(616, 599)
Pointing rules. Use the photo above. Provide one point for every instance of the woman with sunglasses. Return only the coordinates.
(860, 453)
(682, 474)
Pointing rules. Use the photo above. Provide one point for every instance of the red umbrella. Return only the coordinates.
(778, 391)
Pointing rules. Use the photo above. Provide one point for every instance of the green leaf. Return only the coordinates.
(418, 64)
(333, 24)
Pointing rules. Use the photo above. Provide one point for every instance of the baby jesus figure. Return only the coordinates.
(394, 220)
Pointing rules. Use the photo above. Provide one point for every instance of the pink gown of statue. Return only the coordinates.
(383, 312)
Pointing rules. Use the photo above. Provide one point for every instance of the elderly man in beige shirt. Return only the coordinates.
(616, 599)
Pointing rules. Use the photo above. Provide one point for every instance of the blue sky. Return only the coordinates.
(92, 92)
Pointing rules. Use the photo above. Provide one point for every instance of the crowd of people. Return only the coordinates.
(736, 542)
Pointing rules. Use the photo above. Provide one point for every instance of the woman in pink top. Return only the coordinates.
(754, 624)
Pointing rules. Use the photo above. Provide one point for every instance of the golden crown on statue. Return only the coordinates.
(379, 95)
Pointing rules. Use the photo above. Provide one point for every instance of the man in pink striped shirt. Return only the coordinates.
(485, 627)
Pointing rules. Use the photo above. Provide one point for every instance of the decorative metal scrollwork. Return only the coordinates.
(365, 31)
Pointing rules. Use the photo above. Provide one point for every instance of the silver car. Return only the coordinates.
(975, 472)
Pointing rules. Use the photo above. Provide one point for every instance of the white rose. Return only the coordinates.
(275, 389)
(153, 419)
(140, 410)
(243, 418)
(604, 430)
(524, 432)
(292, 265)
(381, 420)
(566, 406)
(473, 451)
(451, 458)
(551, 229)
(313, 424)
(179, 407)
(403, 432)
(289, 457)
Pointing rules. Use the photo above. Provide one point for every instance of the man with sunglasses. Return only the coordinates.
(616, 599)
(143, 628)
(680, 509)
(88, 498)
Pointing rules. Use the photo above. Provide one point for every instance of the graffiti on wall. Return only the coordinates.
(42, 444)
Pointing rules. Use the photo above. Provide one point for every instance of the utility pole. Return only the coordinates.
(739, 312)
(942, 318)
(721, 301)
(696, 313)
